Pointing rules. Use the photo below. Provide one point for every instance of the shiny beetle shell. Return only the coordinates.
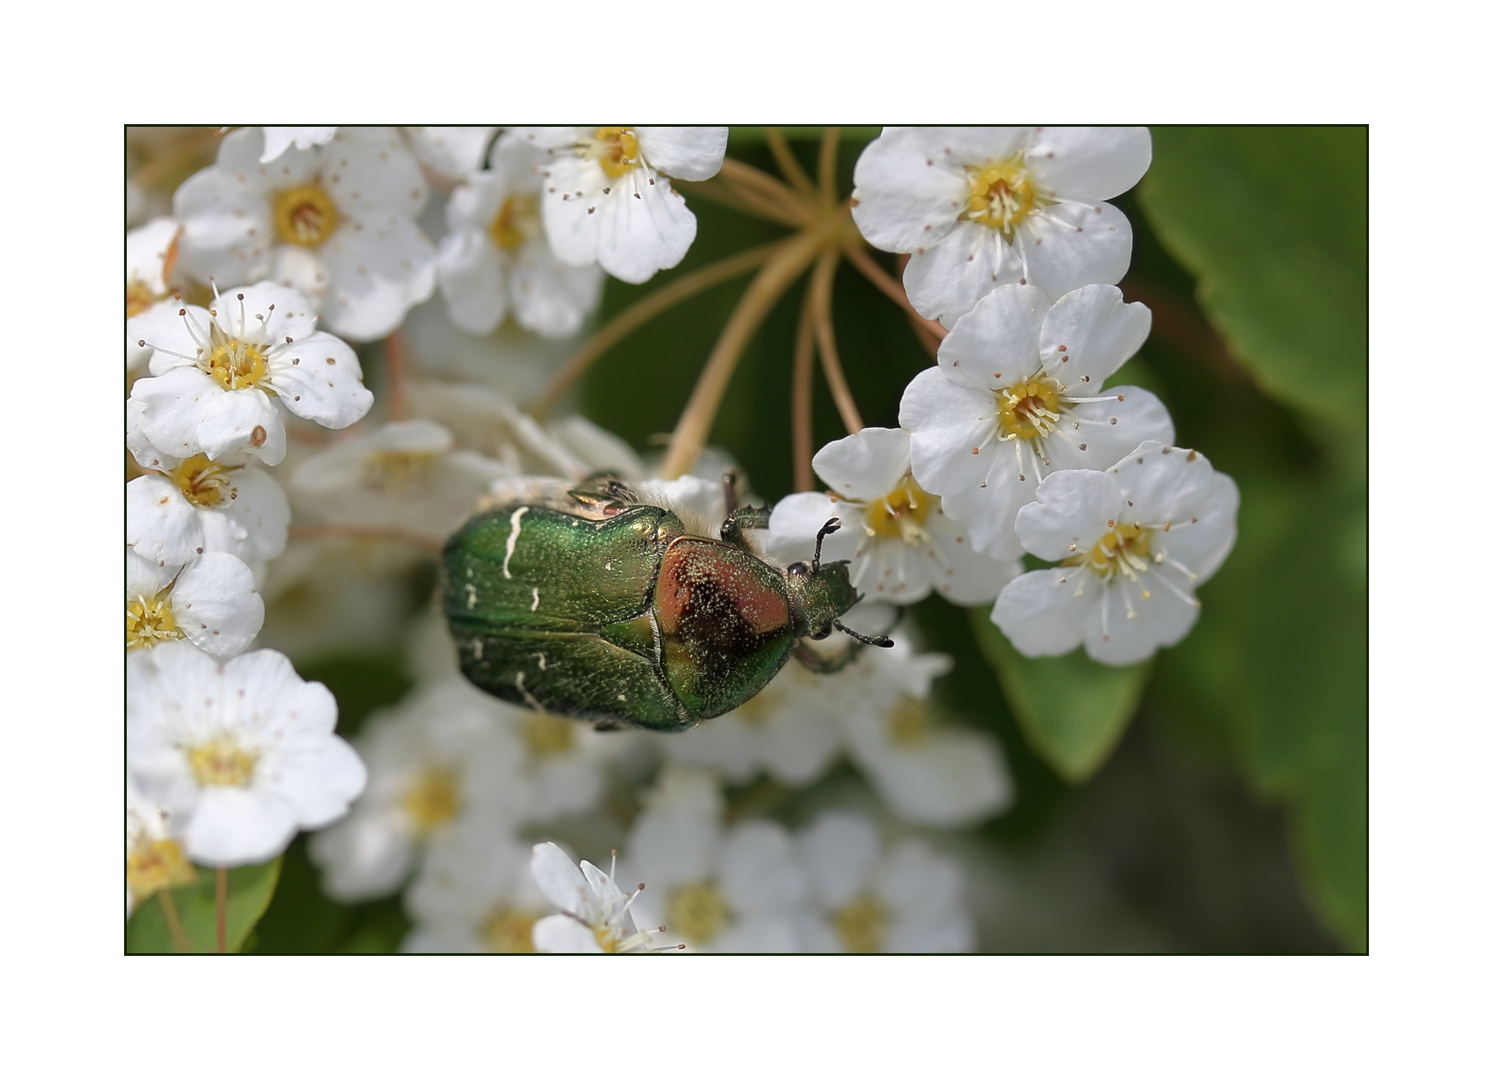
(600, 610)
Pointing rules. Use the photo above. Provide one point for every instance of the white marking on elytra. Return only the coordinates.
(471, 596)
(477, 648)
(513, 524)
(543, 661)
(535, 605)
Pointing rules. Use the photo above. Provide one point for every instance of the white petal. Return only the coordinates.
(370, 176)
(362, 858)
(907, 191)
(376, 275)
(962, 574)
(217, 605)
(1045, 615)
(949, 778)
(259, 510)
(758, 868)
(320, 781)
(641, 227)
(232, 826)
(988, 509)
(796, 521)
(1073, 510)
(563, 934)
(690, 153)
(549, 297)
(558, 877)
(946, 281)
(1097, 434)
(1131, 620)
(998, 343)
(947, 423)
(159, 523)
(866, 465)
(1092, 331)
(1090, 163)
(1070, 245)
(471, 278)
(319, 378)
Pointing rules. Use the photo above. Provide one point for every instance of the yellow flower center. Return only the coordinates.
(698, 912)
(237, 365)
(137, 297)
(547, 734)
(909, 721)
(509, 930)
(516, 222)
(203, 482)
(615, 148)
(1124, 550)
(222, 763)
(398, 471)
(901, 512)
(305, 215)
(861, 925)
(148, 623)
(1001, 195)
(1029, 410)
(155, 865)
(432, 799)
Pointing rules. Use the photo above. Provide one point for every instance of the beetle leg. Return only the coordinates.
(733, 529)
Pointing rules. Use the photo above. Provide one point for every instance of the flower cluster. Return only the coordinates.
(297, 259)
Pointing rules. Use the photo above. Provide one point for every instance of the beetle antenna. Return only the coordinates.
(830, 526)
(880, 640)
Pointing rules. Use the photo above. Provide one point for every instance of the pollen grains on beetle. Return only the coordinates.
(1017, 395)
(1132, 544)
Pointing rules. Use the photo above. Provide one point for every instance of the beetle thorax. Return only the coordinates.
(818, 598)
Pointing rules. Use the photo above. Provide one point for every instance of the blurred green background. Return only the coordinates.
(1214, 800)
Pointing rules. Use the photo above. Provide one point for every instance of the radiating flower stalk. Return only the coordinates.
(263, 479)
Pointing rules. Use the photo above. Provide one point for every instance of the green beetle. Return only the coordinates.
(592, 604)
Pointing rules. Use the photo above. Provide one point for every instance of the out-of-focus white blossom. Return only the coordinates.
(595, 915)
(240, 752)
(279, 139)
(149, 263)
(153, 860)
(475, 894)
(336, 222)
(867, 899)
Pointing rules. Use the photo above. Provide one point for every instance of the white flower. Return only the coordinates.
(595, 916)
(149, 263)
(241, 752)
(279, 139)
(212, 602)
(1133, 541)
(906, 900)
(432, 766)
(475, 894)
(925, 771)
(900, 543)
(607, 193)
(220, 370)
(153, 860)
(496, 261)
(406, 474)
(188, 506)
(335, 222)
(709, 888)
(450, 152)
(982, 207)
(1016, 395)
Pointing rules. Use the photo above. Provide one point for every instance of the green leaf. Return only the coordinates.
(1071, 709)
(1274, 224)
(249, 892)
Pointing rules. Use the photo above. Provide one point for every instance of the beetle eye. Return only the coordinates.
(798, 569)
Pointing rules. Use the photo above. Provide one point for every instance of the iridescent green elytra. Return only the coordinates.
(598, 608)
